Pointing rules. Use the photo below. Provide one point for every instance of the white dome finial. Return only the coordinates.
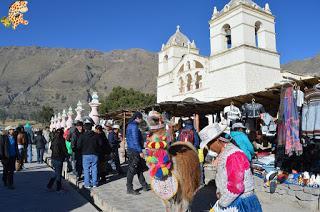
(267, 8)
(178, 28)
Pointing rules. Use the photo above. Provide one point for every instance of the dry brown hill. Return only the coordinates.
(32, 76)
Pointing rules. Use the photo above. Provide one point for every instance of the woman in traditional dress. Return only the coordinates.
(234, 180)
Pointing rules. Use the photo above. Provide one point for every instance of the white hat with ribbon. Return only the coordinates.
(210, 133)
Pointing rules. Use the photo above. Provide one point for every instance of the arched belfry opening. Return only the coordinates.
(257, 26)
(165, 58)
(228, 38)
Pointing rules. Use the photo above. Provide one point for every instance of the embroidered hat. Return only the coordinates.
(238, 125)
(155, 120)
(9, 128)
(210, 133)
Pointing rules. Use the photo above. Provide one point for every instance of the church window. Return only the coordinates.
(165, 58)
(181, 69)
(228, 38)
(188, 65)
(198, 78)
(198, 64)
(181, 85)
(257, 36)
(189, 82)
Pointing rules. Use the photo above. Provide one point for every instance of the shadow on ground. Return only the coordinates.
(30, 193)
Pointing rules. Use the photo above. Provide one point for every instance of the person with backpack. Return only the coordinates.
(189, 134)
(40, 142)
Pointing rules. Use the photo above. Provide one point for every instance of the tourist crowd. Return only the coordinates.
(92, 151)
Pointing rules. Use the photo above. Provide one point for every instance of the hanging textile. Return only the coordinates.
(311, 114)
(251, 113)
(291, 123)
(232, 114)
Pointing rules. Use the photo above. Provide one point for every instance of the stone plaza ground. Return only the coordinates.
(31, 195)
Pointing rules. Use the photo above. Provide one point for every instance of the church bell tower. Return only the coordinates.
(243, 42)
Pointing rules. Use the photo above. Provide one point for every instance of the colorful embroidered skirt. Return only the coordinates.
(247, 204)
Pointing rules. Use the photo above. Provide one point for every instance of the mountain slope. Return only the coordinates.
(305, 67)
(32, 76)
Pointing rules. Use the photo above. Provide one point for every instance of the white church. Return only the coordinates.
(243, 59)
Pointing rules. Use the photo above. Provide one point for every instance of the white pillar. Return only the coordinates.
(79, 109)
(69, 121)
(94, 104)
(51, 123)
(55, 120)
(63, 121)
(58, 125)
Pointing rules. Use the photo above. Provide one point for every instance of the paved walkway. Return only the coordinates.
(30, 193)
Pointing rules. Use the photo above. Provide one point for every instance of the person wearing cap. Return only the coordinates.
(241, 139)
(234, 179)
(9, 154)
(108, 128)
(90, 145)
(76, 154)
(135, 154)
(114, 140)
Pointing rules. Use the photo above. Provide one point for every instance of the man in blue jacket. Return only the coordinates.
(135, 154)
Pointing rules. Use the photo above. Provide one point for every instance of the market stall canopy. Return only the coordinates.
(270, 99)
(119, 114)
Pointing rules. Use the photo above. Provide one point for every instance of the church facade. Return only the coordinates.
(243, 57)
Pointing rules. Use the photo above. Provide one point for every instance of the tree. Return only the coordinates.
(122, 98)
(3, 115)
(44, 115)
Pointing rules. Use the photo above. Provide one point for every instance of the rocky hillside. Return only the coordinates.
(32, 76)
(308, 66)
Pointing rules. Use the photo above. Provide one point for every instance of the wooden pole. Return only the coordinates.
(197, 122)
(124, 136)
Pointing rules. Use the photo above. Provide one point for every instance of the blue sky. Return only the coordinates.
(121, 24)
